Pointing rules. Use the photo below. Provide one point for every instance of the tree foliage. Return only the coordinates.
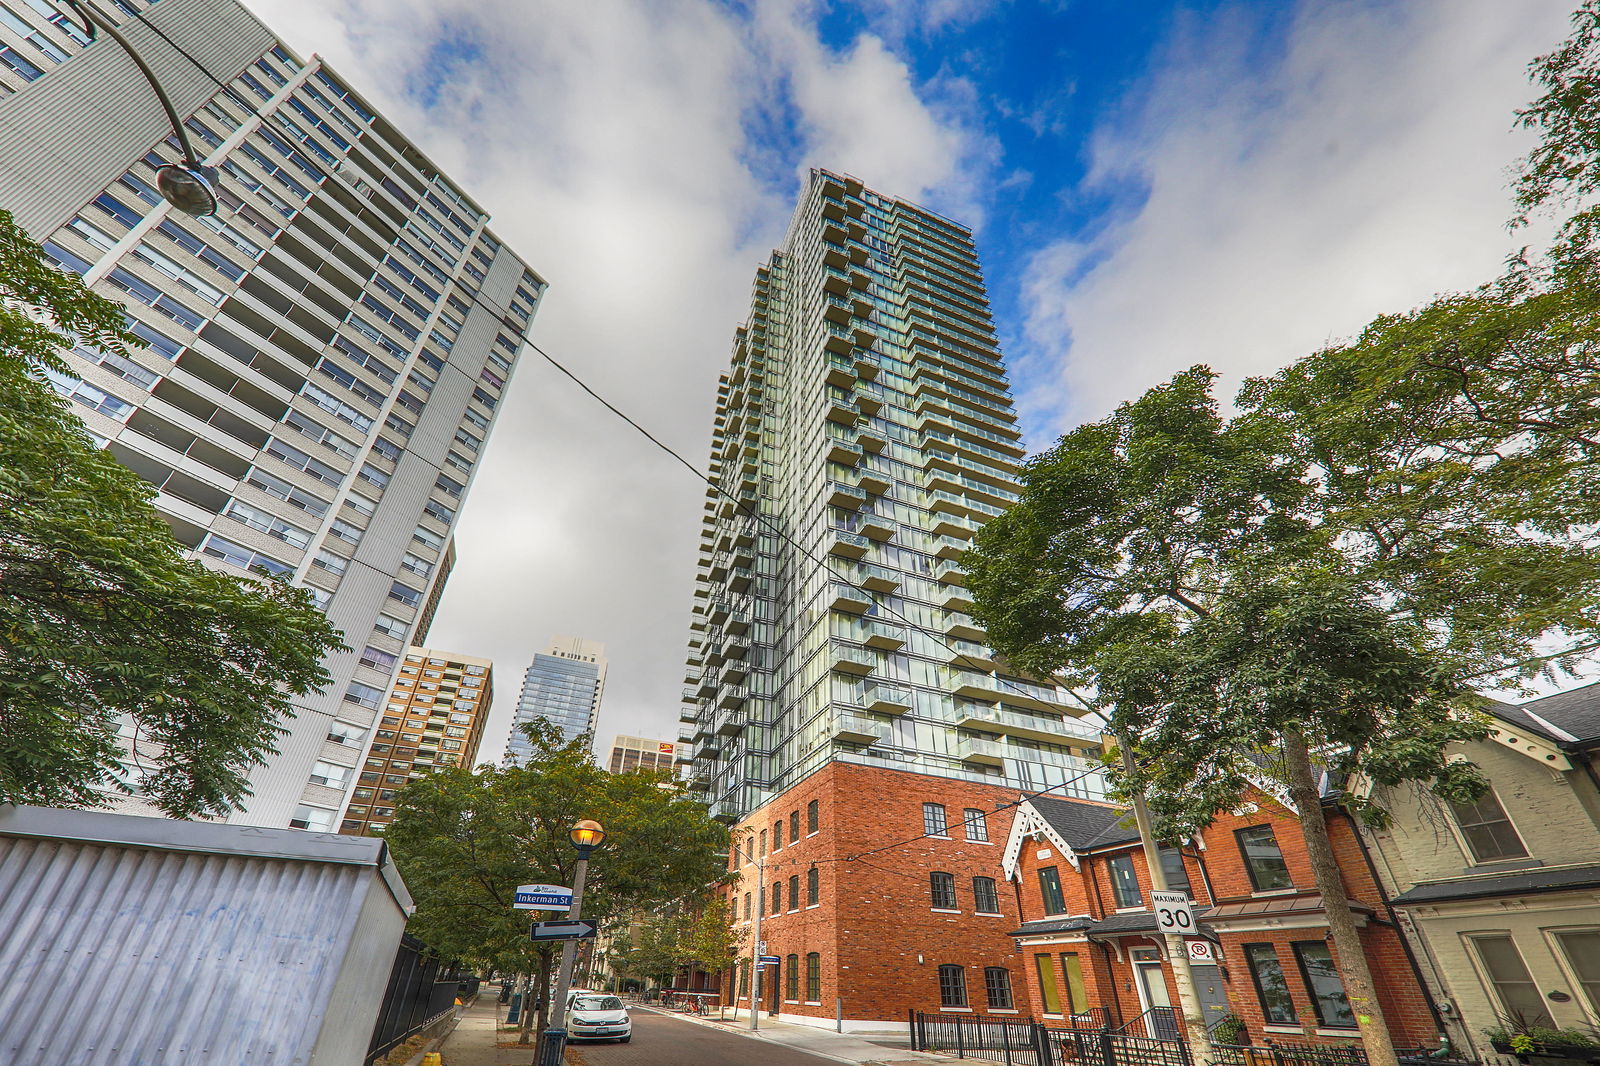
(102, 618)
(464, 840)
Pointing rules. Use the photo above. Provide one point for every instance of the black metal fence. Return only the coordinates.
(1152, 1039)
(421, 991)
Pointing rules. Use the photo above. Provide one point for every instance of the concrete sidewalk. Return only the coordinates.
(472, 1042)
(859, 1049)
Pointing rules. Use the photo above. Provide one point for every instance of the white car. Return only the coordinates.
(598, 1016)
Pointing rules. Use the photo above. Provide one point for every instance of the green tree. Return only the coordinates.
(1314, 584)
(102, 618)
(464, 840)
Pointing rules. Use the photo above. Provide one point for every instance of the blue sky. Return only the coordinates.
(1154, 184)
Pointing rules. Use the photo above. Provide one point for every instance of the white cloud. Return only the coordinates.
(613, 145)
(1289, 201)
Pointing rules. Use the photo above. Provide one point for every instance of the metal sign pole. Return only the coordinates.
(555, 1037)
(755, 937)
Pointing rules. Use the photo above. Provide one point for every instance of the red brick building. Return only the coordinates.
(1088, 936)
(882, 889)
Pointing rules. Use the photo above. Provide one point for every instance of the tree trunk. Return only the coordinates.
(1351, 959)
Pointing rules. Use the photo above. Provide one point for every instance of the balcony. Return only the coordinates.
(735, 647)
(735, 672)
(733, 697)
(725, 811)
(843, 453)
(841, 371)
(981, 752)
(708, 685)
(950, 547)
(836, 312)
(956, 599)
(970, 655)
(844, 412)
(710, 746)
(949, 525)
(840, 495)
(689, 712)
(873, 483)
(949, 573)
(845, 598)
(850, 659)
(846, 544)
(871, 440)
(878, 578)
(740, 577)
(961, 626)
(887, 699)
(877, 528)
(883, 635)
(858, 728)
(976, 686)
(1027, 726)
(867, 365)
(731, 724)
(685, 736)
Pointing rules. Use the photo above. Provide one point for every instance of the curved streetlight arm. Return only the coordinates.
(93, 21)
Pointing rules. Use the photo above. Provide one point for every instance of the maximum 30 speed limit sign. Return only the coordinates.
(1174, 912)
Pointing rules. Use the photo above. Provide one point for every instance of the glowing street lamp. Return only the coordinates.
(586, 835)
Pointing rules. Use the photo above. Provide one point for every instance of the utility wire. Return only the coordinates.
(751, 511)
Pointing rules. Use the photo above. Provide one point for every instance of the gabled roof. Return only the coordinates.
(1570, 718)
(1083, 826)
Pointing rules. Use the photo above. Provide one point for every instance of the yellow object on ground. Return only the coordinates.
(433, 1058)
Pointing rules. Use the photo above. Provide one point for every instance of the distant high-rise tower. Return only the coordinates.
(563, 686)
(434, 717)
(845, 706)
(325, 355)
(641, 753)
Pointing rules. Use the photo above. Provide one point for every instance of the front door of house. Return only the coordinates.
(1208, 988)
(1160, 1021)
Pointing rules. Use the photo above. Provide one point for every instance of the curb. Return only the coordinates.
(758, 1035)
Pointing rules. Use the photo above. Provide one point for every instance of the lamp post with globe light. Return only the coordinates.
(586, 835)
(189, 186)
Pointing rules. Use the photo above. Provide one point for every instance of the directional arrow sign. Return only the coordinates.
(578, 929)
(542, 898)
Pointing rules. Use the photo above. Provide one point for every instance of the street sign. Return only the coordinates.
(767, 960)
(1200, 951)
(575, 929)
(761, 948)
(542, 898)
(1174, 912)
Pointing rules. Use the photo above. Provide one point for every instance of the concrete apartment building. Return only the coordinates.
(434, 717)
(641, 753)
(1502, 896)
(864, 421)
(564, 686)
(325, 354)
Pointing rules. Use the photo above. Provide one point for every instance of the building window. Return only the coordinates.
(933, 820)
(345, 733)
(985, 898)
(952, 986)
(1262, 857)
(1124, 881)
(777, 897)
(1489, 834)
(813, 887)
(791, 979)
(813, 817)
(763, 842)
(944, 890)
(1327, 987)
(1047, 985)
(814, 977)
(744, 974)
(314, 819)
(794, 892)
(977, 824)
(326, 773)
(1582, 949)
(1072, 973)
(1050, 891)
(1520, 999)
(794, 826)
(363, 695)
(1272, 989)
(777, 835)
(997, 987)
(1172, 866)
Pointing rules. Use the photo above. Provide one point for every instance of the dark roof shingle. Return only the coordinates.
(1084, 825)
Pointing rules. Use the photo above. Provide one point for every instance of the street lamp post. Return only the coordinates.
(586, 836)
(189, 186)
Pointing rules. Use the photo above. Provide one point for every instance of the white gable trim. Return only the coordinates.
(1027, 824)
(1523, 742)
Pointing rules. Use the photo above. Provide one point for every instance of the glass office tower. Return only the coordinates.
(865, 419)
(563, 686)
(325, 356)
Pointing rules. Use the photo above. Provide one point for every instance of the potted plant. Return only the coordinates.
(1230, 1029)
(1527, 1041)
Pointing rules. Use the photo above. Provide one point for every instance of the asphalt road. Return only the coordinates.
(661, 1040)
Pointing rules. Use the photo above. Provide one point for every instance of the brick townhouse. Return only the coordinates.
(879, 888)
(1089, 940)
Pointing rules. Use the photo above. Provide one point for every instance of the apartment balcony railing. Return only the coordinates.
(850, 659)
(842, 597)
(877, 578)
(887, 636)
(857, 728)
(887, 699)
(849, 545)
(1042, 727)
(982, 752)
